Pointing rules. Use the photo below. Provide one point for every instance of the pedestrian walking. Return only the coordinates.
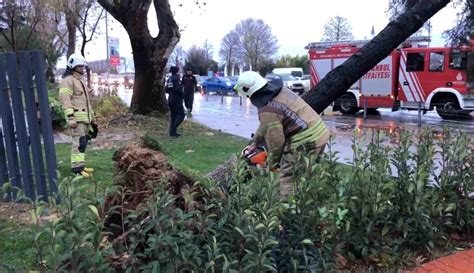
(190, 86)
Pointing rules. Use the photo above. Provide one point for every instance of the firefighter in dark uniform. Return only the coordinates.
(175, 100)
(190, 85)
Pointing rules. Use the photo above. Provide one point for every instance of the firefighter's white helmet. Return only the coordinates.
(76, 60)
(249, 82)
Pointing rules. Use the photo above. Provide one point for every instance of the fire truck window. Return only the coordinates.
(415, 62)
(436, 61)
(458, 60)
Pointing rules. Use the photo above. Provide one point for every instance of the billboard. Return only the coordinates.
(114, 56)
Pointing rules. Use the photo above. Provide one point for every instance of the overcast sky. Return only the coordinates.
(295, 23)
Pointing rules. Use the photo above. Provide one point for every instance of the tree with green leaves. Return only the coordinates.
(337, 29)
(293, 61)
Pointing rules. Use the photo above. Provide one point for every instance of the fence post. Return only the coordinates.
(365, 108)
(222, 96)
(240, 100)
(46, 125)
(419, 114)
(8, 129)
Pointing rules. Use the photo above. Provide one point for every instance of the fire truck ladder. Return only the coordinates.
(360, 43)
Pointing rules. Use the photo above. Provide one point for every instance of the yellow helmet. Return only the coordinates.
(248, 83)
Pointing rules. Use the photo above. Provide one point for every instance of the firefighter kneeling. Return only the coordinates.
(288, 126)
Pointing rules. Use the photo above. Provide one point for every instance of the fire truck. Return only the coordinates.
(413, 77)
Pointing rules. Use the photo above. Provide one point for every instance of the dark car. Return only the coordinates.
(219, 85)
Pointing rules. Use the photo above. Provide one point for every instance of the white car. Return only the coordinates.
(306, 80)
(289, 81)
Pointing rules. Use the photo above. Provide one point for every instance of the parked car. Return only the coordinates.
(306, 81)
(219, 85)
(289, 81)
(199, 80)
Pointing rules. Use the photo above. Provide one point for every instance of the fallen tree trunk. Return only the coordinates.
(339, 80)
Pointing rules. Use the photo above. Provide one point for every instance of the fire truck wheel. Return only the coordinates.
(347, 104)
(448, 108)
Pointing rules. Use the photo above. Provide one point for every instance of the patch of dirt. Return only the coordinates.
(141, 170)
(18, 213)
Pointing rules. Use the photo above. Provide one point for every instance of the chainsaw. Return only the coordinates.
(258, 157)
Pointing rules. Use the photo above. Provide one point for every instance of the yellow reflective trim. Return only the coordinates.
(64, 90)
(78, 158)
(81, 116)
(311, 134)
(69, 111)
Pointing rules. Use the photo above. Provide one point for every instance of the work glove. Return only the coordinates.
(72, 123)
(248, 149)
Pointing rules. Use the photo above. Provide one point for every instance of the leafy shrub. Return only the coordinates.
(390, 205)
(108, 107)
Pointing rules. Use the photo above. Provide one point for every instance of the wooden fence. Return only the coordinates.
(27, 154)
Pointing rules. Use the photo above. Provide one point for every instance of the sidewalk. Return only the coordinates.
(461, 262)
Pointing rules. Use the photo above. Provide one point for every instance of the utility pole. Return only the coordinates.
(107, 49)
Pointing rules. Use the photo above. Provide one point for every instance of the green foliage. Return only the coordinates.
(58, 117)
(107, 107)
(293, 61)
(393, 204)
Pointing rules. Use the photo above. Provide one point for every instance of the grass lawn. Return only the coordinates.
(197, 152)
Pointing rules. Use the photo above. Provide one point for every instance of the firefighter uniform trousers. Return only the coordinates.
(79, 145)
(289, 165)
(296, 148)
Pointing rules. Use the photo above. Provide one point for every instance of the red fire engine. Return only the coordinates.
(412, 77)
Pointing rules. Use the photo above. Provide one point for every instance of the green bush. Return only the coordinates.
(392, 205)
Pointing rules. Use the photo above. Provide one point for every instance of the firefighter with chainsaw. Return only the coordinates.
(74, 97)
(288, 127)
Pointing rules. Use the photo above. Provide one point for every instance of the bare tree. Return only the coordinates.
(464, 29)
(19, 20)
(337, 29)
(228, 50)
(209, 51)
(150, 54)
(197, 60)
(178, 57)
(255, 42)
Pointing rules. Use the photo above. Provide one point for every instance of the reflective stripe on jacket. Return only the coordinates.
(288, 120)
(74, 98)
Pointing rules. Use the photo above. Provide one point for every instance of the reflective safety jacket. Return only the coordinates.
(286, 119)
(74, 98)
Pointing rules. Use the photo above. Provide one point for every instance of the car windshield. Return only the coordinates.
(287, 77)
(234, 78)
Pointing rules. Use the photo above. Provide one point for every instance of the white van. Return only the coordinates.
(293, 71)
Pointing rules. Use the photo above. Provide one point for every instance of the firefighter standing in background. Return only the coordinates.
(288, 126)
(74, 98)
(190, 85)
(175, 100)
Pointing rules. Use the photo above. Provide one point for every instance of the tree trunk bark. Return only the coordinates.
(149, 54)
(339, 80)
(71, 33)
